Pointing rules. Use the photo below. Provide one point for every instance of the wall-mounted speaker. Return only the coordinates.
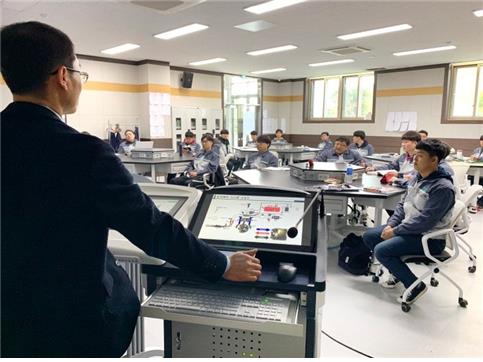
(187, 79)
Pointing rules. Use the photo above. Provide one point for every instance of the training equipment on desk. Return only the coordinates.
(152, 153)
(293, 231)
(322, 171)
(286, 272)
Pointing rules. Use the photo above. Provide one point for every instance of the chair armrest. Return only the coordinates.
(426, 237)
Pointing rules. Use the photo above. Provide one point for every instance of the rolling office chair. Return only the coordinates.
(434, 262)
(460, 177)
(210, 180)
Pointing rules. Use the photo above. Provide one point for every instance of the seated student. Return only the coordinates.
(129, 142)
(340, 152)
(325, 142)
(279, 138)
(206, 161)
(253, 139)
(404, 163)
(425, 207)
(360, 144)
(478, 152)
(189, 145)
(263, 158)
(224, 140)
(424, 135)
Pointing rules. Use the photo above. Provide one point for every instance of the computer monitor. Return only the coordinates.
(254, 216)
(169, 204)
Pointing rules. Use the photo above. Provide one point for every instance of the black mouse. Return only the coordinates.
(286, 272)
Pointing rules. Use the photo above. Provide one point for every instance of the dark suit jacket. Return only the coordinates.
(62, 293)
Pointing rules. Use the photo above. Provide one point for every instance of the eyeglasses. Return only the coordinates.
(84, 76)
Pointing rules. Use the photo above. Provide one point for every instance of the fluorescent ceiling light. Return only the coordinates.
(342, 61)
(255, 26)
(268, 71)
(272, 50)
(427, 50)
(188, 29)
(120, 49)
(271, 6)
(208, 61)
(478, 13)
(373, 32)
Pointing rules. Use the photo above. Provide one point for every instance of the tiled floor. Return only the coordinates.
(367, 317)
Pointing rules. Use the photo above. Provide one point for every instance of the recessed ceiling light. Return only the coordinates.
(268, 71)
(120, 49)
(373, 32)
(333, 62)
(478, 13)
(255, 26)
(188, 29)
(271, 6)
(427, 50)
(272, 50)
(208, 61)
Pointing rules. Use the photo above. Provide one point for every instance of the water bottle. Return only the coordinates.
(349, 173)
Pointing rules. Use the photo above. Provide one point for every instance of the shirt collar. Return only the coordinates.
(54, 112)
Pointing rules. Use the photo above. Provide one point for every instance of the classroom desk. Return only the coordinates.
(164, 165)
(474, 169)
(382, 157)
(334, 200)
(290, 153)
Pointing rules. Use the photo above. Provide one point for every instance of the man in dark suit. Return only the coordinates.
(62, 293)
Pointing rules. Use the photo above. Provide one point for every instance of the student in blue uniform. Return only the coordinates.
(63, 295)
(477, 154)
(263, 158)
(424, 134)
(278, 139)
(128, 143)
(325, 142)
(253, 139)
(360, 144)
(189, 145)
(206, 161)
(340, 152)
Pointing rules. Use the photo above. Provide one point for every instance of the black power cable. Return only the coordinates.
(346, 346)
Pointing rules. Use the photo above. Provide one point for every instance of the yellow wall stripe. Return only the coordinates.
(283, 98)
(399, 92)
(195, 93)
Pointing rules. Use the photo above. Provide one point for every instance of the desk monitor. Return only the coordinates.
(254, 216)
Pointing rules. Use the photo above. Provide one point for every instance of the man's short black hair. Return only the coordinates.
(481, 138)
(278, 130)
(264, 139)
(423, 131)
(411, 136)
(31, 52)
(361, 134)
(208, 137)
(343, 139)
(326, 133)
(130, 130)
(434, 147)
(224, 131)
(189, 134)
(254, 133)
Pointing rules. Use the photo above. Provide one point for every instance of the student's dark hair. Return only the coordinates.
(411, 136)
(433, 147)
(31, 52)
(343, 139)
(325, 132)
(278, 130)
(481, 138)
(189, 134)
(254, 133)
(264, 139)
(361, 134)
(208, 137)
(130, 130)
(423, 131)
(224, 131)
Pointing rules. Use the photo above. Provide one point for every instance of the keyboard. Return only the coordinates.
(238, 303)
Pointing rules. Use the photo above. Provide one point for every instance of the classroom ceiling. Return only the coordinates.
(311, 26)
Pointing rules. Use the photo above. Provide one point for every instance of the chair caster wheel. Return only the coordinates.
(405, 307)
(472, 269)
(434, 282)
(375, 279)
(462, 302)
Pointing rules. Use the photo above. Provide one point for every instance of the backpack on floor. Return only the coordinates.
(354, 256)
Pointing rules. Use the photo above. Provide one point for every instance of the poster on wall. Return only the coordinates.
(159, 115)
(401, 121)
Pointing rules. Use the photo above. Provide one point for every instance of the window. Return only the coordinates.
(466, 95)
(341, 98)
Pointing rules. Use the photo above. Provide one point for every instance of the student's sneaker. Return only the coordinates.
(390, 283)
(473, 209)
(415, 294)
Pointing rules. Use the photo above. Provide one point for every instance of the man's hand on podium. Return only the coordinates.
(244, 267)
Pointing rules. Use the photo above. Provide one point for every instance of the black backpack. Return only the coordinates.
(354, 255)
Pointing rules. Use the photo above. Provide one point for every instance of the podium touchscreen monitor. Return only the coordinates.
(255, 220)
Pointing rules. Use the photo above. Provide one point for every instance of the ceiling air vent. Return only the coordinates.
(346, 50)
(166, 7)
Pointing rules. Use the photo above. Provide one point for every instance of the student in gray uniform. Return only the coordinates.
(340, 152)
(404, 163)
(325, 142)
(360, 144)
(129, 142)
(424, 134)
(207, 161)
(425, 207)
(478, 152)
(263, 158)
(279, 140)
(253, 139)
(189, 145)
